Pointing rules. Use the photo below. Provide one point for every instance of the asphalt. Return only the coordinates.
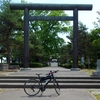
(62, 72)
(49, 94)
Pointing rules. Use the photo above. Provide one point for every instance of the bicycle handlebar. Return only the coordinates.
(52, 72)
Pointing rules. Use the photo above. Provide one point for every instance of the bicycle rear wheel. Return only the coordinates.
(32, 87)
(56, 86)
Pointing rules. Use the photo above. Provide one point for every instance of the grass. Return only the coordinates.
(2, 90)
(3, 73)
(89, 71)
(97, 96)
(93, 92)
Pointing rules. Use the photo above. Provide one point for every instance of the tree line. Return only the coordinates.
(44, 40)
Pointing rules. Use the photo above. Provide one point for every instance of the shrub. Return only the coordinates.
(36, 64)
(32, 65)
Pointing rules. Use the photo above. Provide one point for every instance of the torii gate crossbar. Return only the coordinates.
(27, 18)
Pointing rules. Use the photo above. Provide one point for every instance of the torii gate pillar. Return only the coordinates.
(27, 18)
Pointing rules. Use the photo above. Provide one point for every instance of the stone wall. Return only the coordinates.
(3, 67)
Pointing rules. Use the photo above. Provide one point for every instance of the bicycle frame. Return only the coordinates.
(40, 84)
(47, 80)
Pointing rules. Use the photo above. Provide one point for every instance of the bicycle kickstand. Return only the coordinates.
(41, 93)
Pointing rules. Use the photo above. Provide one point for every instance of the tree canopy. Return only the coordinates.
(44, 40)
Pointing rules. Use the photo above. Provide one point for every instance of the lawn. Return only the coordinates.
(97, 96)
(89, 71)
(96, 93)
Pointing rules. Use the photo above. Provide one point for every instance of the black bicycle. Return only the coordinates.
(33, 86)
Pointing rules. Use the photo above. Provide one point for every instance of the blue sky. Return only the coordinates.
(86, 17)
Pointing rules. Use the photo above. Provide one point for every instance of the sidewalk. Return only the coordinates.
(49, 94)
(62, 72)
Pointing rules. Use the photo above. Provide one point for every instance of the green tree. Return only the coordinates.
(36, 49)
(95, 38)
(83, 41)
(44, 40)
(65, 54)
(48, 31)
(9, 24)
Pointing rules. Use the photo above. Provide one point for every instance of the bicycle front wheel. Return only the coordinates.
(56, 86)
(32, 87)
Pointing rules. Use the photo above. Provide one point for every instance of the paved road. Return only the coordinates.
(62, 72)
(49, 94)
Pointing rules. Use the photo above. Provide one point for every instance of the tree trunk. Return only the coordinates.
(8, 56)
(1, 59)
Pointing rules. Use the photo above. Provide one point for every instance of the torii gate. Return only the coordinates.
(27, 18)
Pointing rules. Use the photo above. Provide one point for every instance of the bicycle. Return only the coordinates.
(33, 86)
